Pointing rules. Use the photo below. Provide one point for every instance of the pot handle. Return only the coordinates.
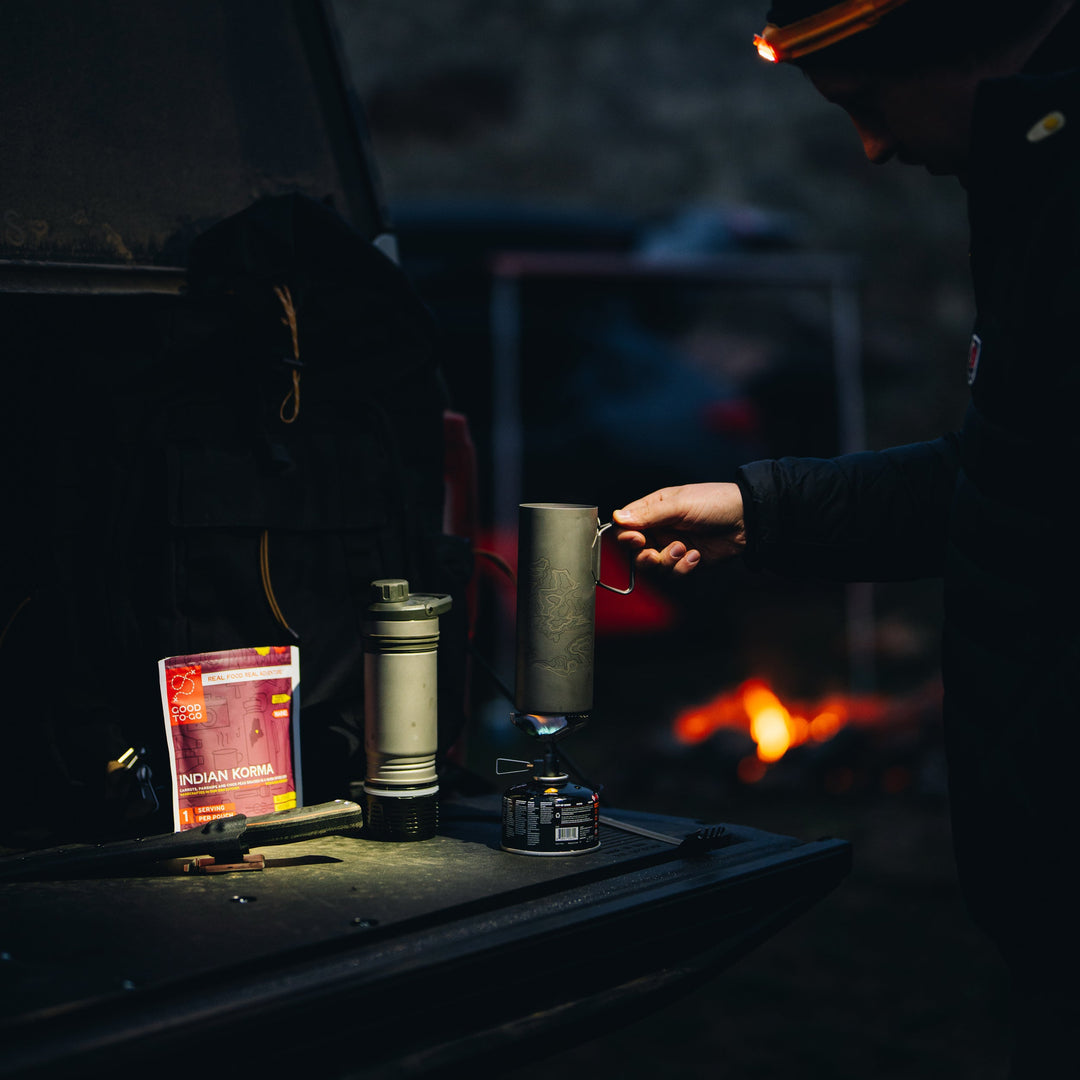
(611, 588)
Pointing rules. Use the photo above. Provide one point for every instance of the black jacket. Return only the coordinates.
(991, 509)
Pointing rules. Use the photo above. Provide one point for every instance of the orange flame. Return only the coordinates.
(775, 728)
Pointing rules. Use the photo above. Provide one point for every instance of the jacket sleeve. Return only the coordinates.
(874, 516)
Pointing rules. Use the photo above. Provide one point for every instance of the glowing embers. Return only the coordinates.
(774, 727)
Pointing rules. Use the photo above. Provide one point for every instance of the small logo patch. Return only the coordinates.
(974, 352)
(1049, 125)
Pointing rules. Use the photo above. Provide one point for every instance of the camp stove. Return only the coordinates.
(558, 573)
(548, 815)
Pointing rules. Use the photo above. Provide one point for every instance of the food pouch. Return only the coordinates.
(232, 723)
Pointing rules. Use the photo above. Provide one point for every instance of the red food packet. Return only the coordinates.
(232, 724)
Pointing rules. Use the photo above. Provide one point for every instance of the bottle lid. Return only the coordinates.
(392, 601)
(389, 590)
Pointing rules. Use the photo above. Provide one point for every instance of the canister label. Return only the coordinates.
(550, 821)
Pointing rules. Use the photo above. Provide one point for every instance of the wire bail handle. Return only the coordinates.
(600, 529)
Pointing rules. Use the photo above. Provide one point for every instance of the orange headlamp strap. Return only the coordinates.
(780, 43)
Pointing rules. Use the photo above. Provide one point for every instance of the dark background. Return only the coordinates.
(622, 117)
(618, 126)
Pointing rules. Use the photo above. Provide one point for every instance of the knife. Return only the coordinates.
(226, 840)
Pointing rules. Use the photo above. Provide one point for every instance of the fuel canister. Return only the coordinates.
(548, 815)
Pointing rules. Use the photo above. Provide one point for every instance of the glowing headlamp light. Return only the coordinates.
(779, 43)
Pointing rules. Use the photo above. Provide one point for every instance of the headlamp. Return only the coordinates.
(779, 43)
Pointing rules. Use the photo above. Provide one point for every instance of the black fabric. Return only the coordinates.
(152, 457)
(863, 506)
(1004, 537)
(1047, 1018)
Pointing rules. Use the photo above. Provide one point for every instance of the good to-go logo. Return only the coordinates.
(185, 694)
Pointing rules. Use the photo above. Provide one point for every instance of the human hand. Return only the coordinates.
(676, 528)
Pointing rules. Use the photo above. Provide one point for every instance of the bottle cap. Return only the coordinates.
(389, 590)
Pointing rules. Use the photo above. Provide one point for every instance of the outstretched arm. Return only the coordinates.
(877, 516)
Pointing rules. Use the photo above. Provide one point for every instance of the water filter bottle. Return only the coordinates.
(401, 734)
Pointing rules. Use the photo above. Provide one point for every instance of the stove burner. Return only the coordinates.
(549, 727)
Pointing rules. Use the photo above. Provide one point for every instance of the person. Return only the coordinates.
(987, 91)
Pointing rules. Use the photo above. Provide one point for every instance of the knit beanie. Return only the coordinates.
(926, 29)
(784, 12)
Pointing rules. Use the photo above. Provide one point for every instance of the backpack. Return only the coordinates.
(225, 468)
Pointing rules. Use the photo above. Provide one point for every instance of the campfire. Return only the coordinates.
(776, 726)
